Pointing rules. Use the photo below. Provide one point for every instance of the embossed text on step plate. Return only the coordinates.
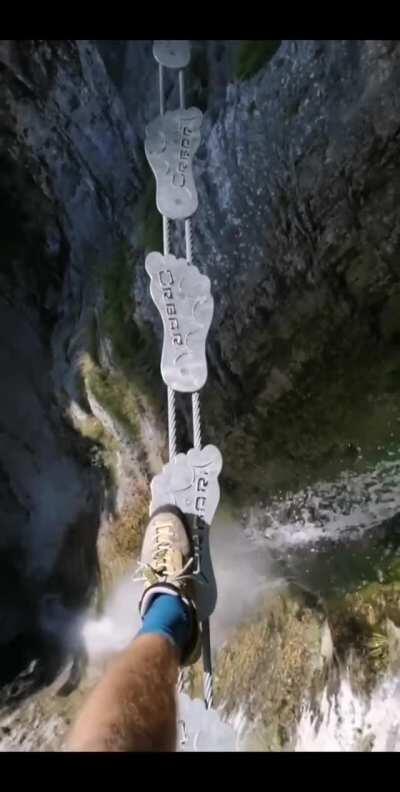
(190, 482)
(170, 145)
(183, 297)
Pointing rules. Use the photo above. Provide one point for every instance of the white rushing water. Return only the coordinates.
(345, 507)
(350, 723)
(337, 510)
(341, 509)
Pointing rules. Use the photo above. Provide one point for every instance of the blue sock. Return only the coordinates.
(169, 616)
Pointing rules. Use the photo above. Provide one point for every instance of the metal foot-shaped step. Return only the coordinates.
(183, 297)
(172, 54)
(171, 142)
(190, 482)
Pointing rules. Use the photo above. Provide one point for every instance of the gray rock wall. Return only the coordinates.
(69, 178)
(298, 228)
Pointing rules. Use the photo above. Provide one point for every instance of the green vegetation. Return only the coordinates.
(293, 644)
(121, 543)
(135, 350)
(114, 392)
(253, 55)
(393, 572)
(359, 624)
(270, 661)
(116, 318)
(326, 405)
(119, 387)
(150, 218)
(378, 646)
(104, 448)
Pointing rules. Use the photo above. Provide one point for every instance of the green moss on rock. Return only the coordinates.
(359, 624)
(272, 661)
(120, 543)
(253, 55)
(319, 405)
(113, 391)
(134, 348)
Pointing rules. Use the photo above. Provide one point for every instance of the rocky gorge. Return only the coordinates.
(298, 230)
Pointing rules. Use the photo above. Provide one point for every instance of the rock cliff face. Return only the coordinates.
(298, 229)
(68, 180)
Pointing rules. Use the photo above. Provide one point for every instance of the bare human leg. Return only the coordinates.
(133, 708)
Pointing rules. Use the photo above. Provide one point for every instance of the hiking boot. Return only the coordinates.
(167, 563)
